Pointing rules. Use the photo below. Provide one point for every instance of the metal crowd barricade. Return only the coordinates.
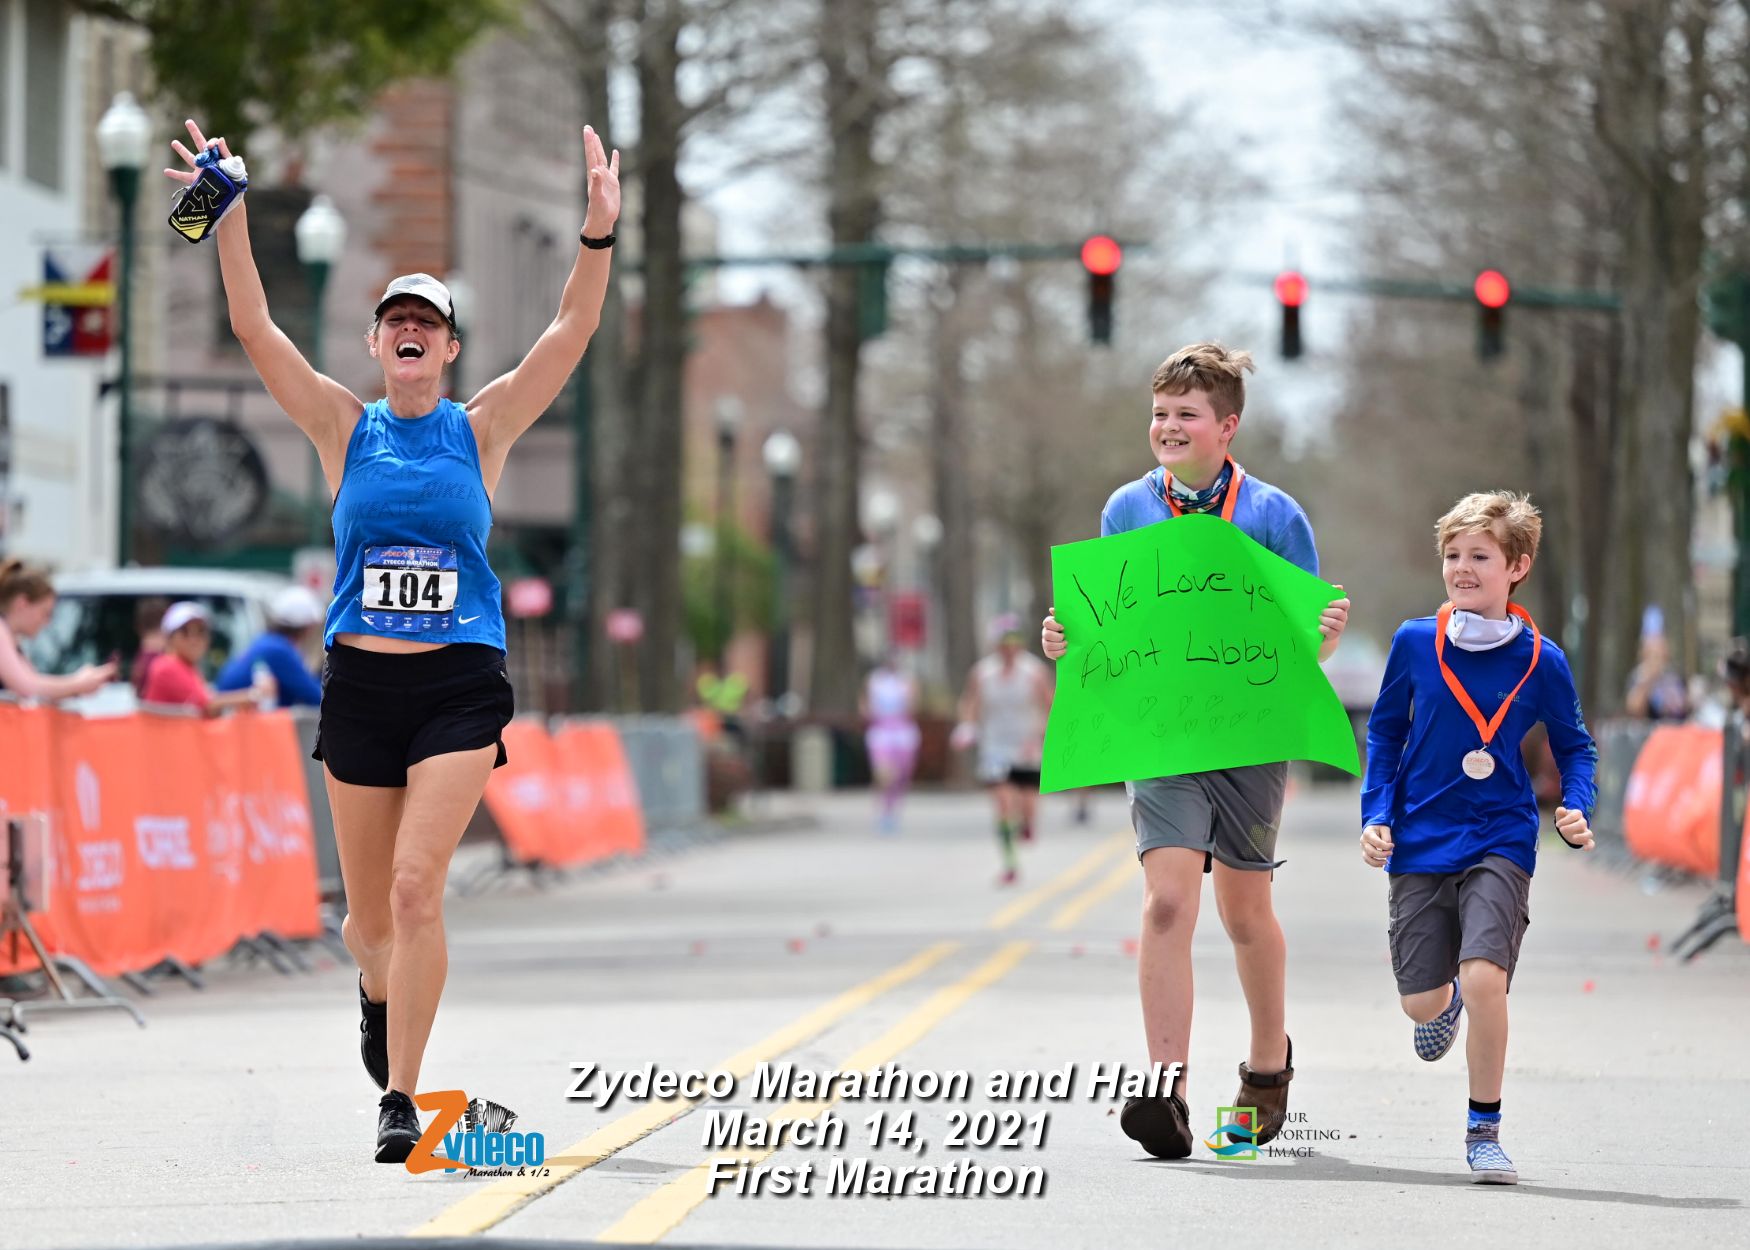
(1619, 745)
(668, 767)
(328, 879)
(27, 858)
(1719, 912)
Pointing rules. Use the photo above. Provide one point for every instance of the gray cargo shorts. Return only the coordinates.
(1441, 919)
(1231, 814)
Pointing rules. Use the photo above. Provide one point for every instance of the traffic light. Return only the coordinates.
(1291, 294)
(1492, 291)
(1101, 257)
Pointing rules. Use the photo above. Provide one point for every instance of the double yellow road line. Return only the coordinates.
(660, 1212)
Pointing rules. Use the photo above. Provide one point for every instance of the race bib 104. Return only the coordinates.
(410, 581)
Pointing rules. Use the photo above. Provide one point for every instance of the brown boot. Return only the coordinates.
(1162, 1126)
(1269, 1094)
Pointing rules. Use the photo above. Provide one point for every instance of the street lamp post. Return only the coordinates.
(783, 456)
(123, 135)
(729, 415)
(926, 532)
(321, 238)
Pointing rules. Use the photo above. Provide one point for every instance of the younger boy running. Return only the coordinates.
(1447, 807)
(1227, 817)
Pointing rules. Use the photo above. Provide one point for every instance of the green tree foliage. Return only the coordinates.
(752, 586)
(297, 64)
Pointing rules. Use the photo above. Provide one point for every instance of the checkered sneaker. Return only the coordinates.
(1435, 1038)
(1489, 1164)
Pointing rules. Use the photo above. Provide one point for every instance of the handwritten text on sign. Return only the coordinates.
(1191, 648)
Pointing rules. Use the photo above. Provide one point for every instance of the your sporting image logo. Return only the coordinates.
(1236, 1136)
(475, 1137)
(1238, 1125)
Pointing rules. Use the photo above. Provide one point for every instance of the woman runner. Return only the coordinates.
(415, 692)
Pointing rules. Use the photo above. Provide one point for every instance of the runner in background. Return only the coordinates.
(890, 705)
(1003, 709)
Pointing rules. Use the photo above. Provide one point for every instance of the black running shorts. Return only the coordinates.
(383, 713)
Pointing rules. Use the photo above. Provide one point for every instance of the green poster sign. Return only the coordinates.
(1191, 648)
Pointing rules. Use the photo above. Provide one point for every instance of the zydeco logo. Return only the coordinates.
(483, 1146)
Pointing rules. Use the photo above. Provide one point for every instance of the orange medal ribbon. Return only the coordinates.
(1489, 727)
(1227, 505)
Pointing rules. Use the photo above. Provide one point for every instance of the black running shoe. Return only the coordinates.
(374, 1042)
(1162, 1126)
(397, 1127)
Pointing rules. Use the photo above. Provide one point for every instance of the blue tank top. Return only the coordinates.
(410, 529)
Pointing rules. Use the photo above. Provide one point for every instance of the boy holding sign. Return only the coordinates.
(1447, 807)
(1226, 819)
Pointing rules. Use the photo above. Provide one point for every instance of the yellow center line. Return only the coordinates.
(1062, 882)
(494, 1202)
(654, 1217)
(1076, 908)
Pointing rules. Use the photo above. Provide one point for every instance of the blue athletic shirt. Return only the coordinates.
(1268, 516)
(410, 530)
(298, 686)
(1417, 737)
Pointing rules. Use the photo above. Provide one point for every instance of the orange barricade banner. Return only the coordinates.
(524, 796)
(27, 789)
(172, 836)
(279, 876)
(1671, 809)
(600, 789)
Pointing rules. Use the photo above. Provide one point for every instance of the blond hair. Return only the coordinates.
(18, 579)
(1508, 517)
(1209, 367)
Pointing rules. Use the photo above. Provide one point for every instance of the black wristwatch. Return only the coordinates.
(595, 245)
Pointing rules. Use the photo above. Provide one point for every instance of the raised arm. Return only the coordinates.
(512, 402)
(321, 407)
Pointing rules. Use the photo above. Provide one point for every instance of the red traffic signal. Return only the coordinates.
(1492, 289)
(1290, 289)
(1101, 255)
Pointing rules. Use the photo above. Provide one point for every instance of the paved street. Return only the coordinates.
(242, 1113)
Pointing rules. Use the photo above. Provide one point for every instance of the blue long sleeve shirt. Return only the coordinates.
(1441, 820)
(297, 684)
(1268, 516)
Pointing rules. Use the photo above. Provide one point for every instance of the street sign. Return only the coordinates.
(77, 295)
(906, 620)
(529, 596)
(625, 625)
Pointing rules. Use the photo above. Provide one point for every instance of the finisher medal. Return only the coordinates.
(1479, 764)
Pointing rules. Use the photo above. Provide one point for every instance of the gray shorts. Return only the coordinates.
(1441, 919)
(1231, 814)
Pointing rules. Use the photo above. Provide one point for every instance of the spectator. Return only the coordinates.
(1655, 692)
(174, 677)
(148, 616)
(292, 621)
(27, 600)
